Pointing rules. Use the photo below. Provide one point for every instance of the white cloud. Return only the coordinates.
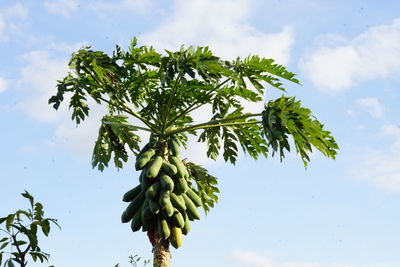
(38, 80)
(370, 105)
(140, 6)
(7, 15)
(16, 10)
(2, 27)
(3, 84)
(373, 54)
(253, 259)
(382, 167)
(62, 7)
(221, 25)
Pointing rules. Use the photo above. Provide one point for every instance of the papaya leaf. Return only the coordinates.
(206, 187)
(286, 117)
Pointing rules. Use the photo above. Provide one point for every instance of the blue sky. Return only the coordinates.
(341, 213)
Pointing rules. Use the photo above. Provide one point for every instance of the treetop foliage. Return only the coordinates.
(154, 92)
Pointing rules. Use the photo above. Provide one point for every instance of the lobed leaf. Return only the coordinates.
(286, 117)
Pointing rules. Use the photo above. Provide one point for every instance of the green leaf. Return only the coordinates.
(45, 224)
(23, 212)
(54, 221)
(19, 227)
(286, 117)
(39, 255)
(4, 239)
(114, 135)
(4, 245)
(9, 221)
(206, 185)
(38, 211)
(28, 196)
(9, 263)
(19, 243)
(1, 257)
(32, 236)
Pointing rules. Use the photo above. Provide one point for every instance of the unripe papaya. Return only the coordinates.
(186, 227)
(181, 186)
(165, 204)
(125, 218)
(137, 220)
(169, 168)
(153, 190)
(163, 228)
(179, 165)
(177, 219)
(131, 194)
(174, 147)
(144, 159)
(166, 182)
(194, 197)
(177, 202)
(149, 220)
(191, 209)
(144, 149)
(155, 167)
(144, 182)
(154, 206)
(134, 206)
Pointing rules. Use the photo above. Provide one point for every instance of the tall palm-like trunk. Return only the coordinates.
(162, 256)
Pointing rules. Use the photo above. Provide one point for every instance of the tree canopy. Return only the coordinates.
(161, 90)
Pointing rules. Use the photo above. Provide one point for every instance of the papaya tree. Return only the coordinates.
(157, 93)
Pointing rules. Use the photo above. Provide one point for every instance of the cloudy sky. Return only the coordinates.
(341, 213)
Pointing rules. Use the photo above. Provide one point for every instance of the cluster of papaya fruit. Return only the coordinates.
(164, 202)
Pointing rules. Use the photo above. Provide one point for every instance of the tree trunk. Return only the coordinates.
(162, 256)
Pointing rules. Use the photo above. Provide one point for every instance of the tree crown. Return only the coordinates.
(157, 93)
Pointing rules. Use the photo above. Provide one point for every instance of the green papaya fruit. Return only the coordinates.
(177, 219)
(137, 220)
(155, 167)
(163, 228)
(144, 182)
(144, 149)
(153, 190)
(165, 204)
(131, 194)
(169, 168)
(149, 220)
(191, 209)
(142, 161)
(154, 206)
(179, 165)
(186, 227)
(194, 197)
(174, 147)
(181, 186)
(177, 202)
(125, 218)
(134, 206)
(166, 182)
